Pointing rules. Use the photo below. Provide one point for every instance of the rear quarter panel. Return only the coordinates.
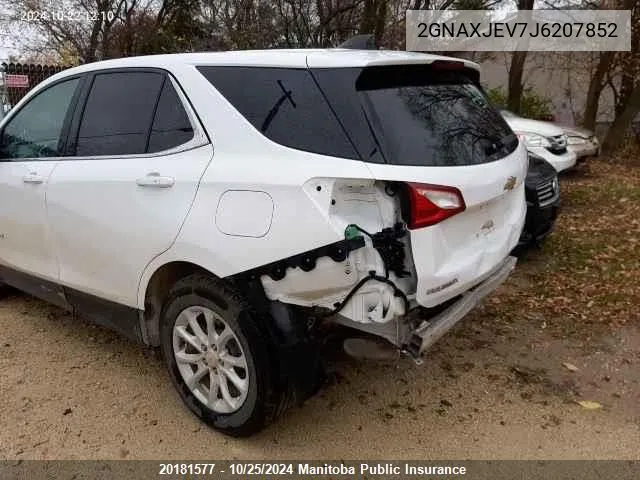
(298, 183)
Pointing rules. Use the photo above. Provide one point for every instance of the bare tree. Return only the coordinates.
(627, 97)
(516, 70)
(618, 129)
(75, 27)
(374, 18)
(597, 84)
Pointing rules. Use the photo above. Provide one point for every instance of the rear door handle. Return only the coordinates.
(33, 177)
(154, 179)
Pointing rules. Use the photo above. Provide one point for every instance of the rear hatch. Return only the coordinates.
(430, 128)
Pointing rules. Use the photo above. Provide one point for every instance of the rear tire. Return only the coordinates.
(231, 382)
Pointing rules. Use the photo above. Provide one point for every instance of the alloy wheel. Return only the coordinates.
(210, 359)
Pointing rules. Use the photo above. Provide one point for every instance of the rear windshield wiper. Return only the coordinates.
(378, 148)
(286, 95)
(497, 144)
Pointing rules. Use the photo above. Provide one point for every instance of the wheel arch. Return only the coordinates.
(295, 353)
(154, 288)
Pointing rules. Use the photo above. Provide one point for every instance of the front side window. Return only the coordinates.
(36, 130)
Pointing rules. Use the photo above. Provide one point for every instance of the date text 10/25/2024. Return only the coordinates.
(66, 15)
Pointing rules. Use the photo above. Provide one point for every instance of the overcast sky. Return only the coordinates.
(4, 51)
(7, 44)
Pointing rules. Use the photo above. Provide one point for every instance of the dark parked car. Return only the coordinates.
(542, 191)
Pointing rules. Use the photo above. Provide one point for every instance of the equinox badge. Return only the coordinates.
(511, 183)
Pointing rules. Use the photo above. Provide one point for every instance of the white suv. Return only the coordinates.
(223, 206)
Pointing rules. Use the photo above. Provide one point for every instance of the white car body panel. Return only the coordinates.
(336, 58)
(25, 242)
(546, 129)
(105, 228)
(588, 149)
(244, 213)
(451, 256)
(284, 58)
(560, 162)
(300, 211)
(582, 142)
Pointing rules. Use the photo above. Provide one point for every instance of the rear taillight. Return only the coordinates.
(431, 204)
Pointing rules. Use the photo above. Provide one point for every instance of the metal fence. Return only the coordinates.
(16, 79)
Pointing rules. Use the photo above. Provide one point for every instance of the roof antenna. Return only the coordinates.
(360, 42)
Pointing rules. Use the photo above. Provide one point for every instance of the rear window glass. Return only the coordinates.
(285, 105)
(171, 126)
(421, 116)
(118, 113)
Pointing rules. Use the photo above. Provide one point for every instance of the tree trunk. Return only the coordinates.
(596, 85)
(628, 102)
(626, 89)
(374, 18)
(368, 21)
(516, 69)
(616, 133)
(381, 20)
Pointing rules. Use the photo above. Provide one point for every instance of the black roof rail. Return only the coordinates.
(360, 42)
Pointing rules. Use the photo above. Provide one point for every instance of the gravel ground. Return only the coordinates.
(489, 390)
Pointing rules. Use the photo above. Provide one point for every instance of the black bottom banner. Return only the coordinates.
(302, 469)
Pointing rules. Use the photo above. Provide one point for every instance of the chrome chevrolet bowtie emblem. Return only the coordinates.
(511, 183)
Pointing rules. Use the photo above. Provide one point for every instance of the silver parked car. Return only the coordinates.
(582, 142)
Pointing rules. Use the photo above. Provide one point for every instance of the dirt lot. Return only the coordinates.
(504, 384)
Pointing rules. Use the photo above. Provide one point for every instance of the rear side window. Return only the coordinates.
(419, 115)
(285, 105)
(129, 113)
(171, 125)
(118, 114)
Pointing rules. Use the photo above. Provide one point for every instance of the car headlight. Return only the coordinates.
(576, 141)
(533, 139)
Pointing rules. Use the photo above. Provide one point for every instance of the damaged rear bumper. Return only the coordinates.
(430, 331)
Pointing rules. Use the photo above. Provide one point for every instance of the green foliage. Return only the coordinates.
(532, 105)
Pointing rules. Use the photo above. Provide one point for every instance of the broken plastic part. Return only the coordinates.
(338, 252)
(387, 242)
(391, 249)
(352, 231)
(372, 276)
